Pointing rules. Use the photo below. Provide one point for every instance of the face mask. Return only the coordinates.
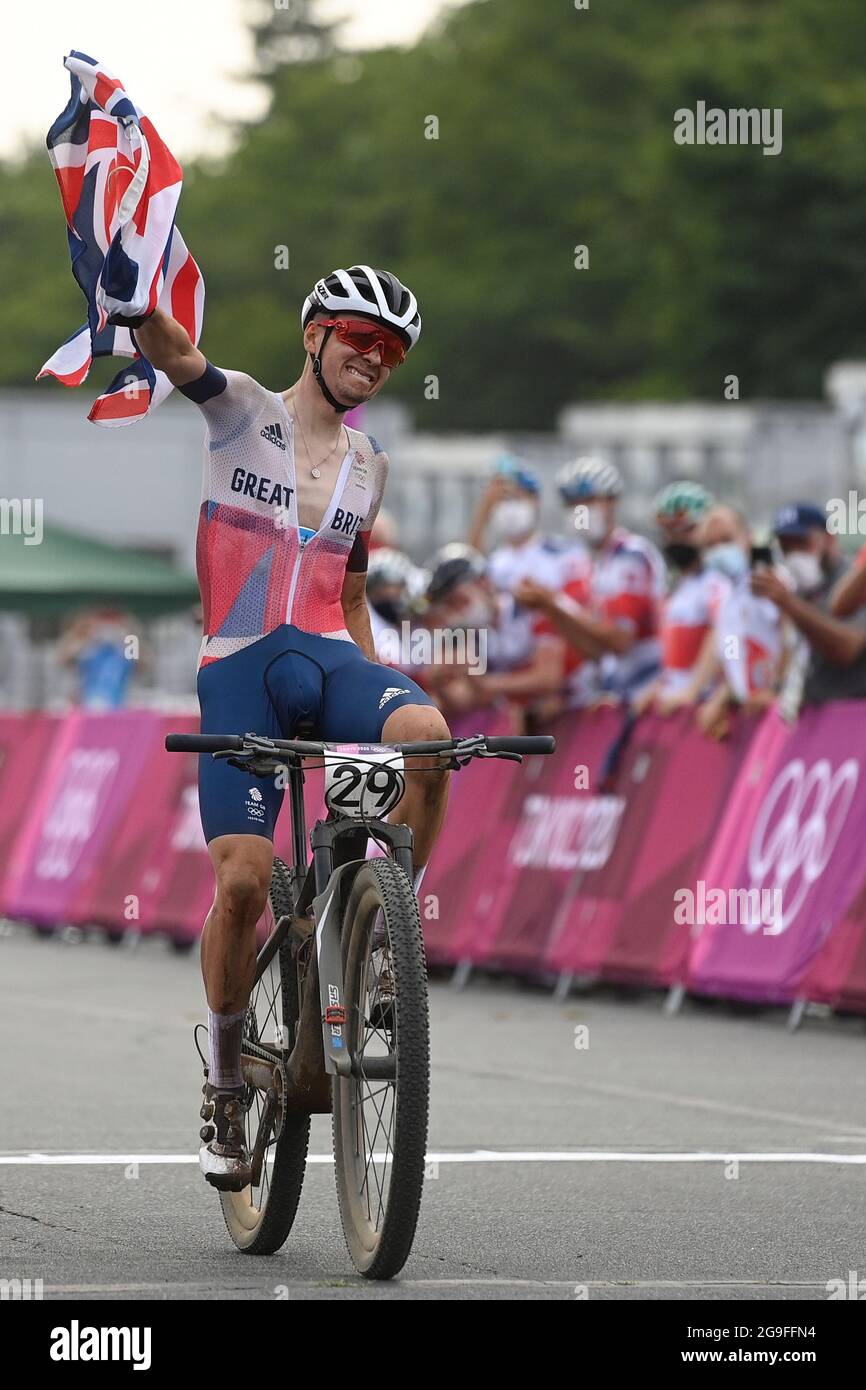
(513, 518)
(804, 568)
(476, 614)
(596, 525)
(389, 609)
(681, 555)
(728, 558)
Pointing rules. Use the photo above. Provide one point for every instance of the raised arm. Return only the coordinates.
(166, 344)
(849, 593)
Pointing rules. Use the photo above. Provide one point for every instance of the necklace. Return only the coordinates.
(316, 468)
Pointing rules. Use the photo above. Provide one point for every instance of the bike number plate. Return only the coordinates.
(363, 780)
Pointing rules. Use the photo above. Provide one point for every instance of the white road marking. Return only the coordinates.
(24, 1160)
(355, 1283)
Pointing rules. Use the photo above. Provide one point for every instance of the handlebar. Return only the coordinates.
(203, 743)
(476, 745)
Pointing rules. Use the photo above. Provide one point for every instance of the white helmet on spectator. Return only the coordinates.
(587, 478)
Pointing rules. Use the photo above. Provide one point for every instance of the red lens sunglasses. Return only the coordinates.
(364, 337)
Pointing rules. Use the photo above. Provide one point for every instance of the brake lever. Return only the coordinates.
(457, 761)
(255, 762)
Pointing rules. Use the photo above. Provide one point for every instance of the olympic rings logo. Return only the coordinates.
(797, 828)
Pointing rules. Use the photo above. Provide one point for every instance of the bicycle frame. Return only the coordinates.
(338, 846)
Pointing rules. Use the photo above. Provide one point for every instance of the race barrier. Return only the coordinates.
(585, 874)
(794, 826)
(108, 830)
(628, 856)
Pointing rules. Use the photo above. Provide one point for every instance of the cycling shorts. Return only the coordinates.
(287, 678)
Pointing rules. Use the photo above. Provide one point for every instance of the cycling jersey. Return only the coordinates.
(621, 586)
(257, 566)
(541, 558)
(750, 641)
(688, 614)
(626, 589)
(548, 560)
(271, 588)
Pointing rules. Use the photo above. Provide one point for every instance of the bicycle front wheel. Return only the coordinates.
(381, 1110)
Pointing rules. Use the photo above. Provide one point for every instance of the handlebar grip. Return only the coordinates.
(526, 743)
(203, 743)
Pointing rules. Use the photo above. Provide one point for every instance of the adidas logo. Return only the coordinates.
(391, 692)
(274, 435)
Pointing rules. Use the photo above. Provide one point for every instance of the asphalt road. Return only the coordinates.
(608, 1170)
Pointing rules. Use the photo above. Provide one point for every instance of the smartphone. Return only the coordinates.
(760, 555)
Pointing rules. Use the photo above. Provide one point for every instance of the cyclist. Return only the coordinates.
(290, 497)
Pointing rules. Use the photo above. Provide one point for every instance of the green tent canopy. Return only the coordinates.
(68, 571)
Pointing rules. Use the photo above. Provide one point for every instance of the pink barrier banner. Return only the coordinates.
(793, 837)
(478, 794)
(837, 975)
(160, 856)
(617, 919)
(157, 874)
(74, 808)
(26, 741)
(553, 821)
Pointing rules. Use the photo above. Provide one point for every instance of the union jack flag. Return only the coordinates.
(119, 185)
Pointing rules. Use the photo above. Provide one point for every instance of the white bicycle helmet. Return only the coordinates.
(363, 290)
(588, 477)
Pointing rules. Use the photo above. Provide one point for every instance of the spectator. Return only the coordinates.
(509, 511)
(835, 667)
(517, 662)
(393, 584)
(95, 644)
(384, 532)
(607, 612)
(745, 662)
(849, 592)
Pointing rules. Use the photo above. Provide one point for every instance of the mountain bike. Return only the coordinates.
(338, 1016)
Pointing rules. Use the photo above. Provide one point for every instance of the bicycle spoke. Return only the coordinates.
(370, 1160)
(381, 1098)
